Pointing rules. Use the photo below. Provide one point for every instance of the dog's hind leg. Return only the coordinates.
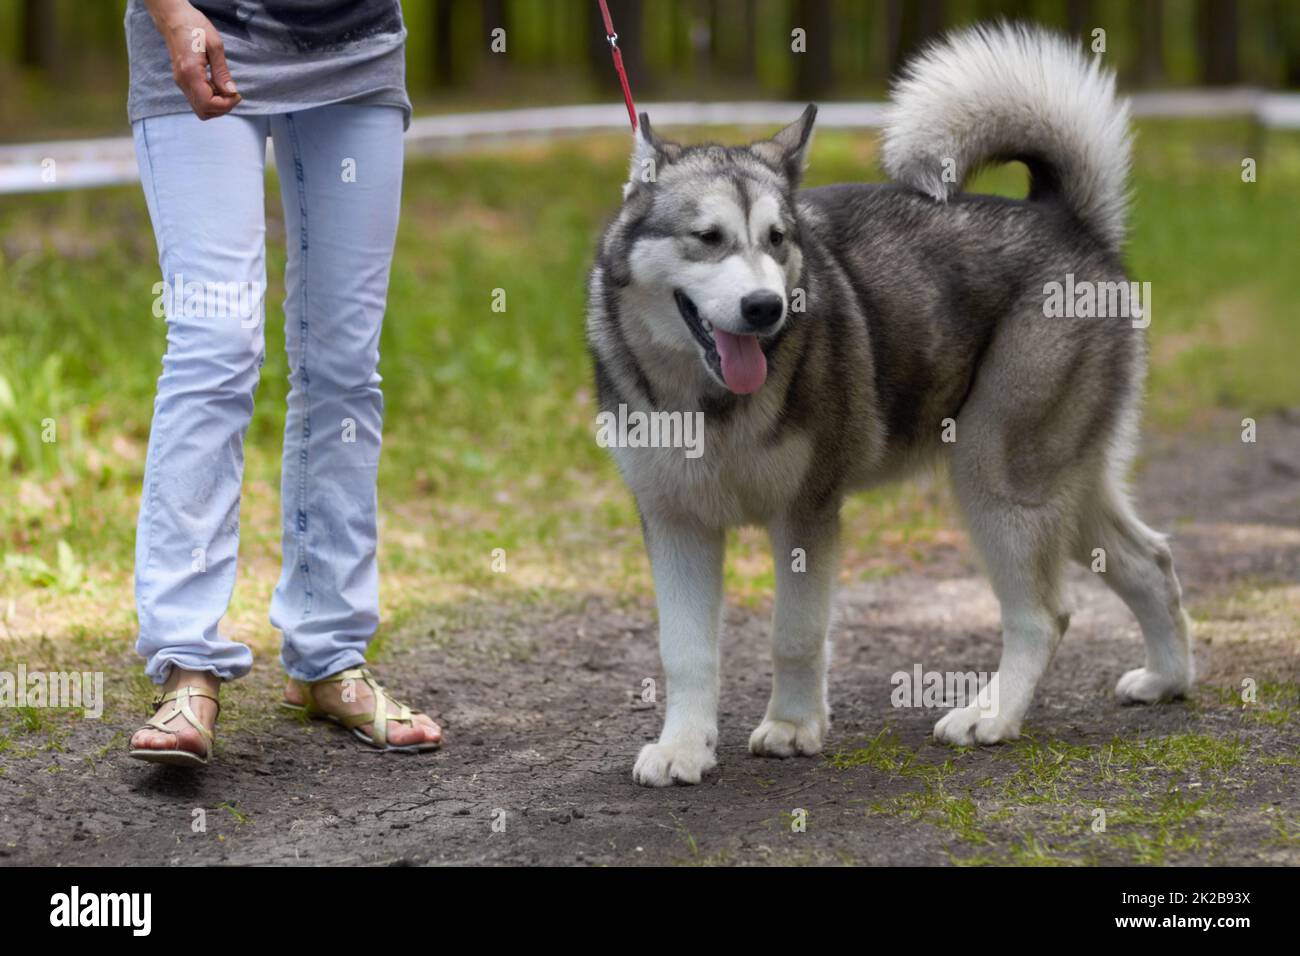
(1140, 569)
(806, 553)
(1024, 551)
(686, 559)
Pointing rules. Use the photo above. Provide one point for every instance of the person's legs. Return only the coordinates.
(340, 178)
(203, 182)
(340, 173)
(203, 185)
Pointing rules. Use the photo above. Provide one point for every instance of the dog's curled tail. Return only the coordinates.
(1009, 92)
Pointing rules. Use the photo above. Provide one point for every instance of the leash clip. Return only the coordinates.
(612, 36)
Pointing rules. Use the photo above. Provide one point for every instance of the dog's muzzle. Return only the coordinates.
(737, 361)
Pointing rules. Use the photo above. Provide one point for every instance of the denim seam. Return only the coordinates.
(151, 492)
(300, 516)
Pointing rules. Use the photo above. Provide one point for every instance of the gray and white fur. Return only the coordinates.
(922, 304)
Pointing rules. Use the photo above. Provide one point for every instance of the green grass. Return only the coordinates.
(1036, 802)
(1272, 702)
(883, 752)
(238, 815)
(490, 415)
(932, 802)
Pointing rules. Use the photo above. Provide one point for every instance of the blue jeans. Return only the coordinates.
(340, 171)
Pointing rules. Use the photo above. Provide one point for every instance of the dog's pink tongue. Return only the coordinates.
(744, 366)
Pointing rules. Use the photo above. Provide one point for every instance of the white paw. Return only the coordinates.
(781, 738)
(1144, 686)
(663, 764)
(970, 726)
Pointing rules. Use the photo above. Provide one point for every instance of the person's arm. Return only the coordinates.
(195, 48)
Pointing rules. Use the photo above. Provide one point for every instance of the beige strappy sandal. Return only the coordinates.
(378, 720)
(177, 757)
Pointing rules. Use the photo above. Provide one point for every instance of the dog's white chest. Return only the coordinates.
(737, 478)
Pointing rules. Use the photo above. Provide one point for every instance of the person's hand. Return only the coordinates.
(198, 57)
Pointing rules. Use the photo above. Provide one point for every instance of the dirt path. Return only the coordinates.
(544, 718)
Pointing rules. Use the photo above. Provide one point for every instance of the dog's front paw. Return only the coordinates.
(974, 725)
(663, 764)
(782, 738)
(1143, 686)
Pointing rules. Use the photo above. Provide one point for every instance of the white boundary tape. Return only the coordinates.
(85, 163)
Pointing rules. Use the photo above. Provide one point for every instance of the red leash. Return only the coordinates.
(612, 37)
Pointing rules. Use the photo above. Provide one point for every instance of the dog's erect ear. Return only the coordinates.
(788, 149)
(649, 155)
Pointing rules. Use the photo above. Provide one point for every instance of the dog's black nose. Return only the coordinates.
(761, 310)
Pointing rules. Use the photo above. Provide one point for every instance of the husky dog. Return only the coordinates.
(832, 336)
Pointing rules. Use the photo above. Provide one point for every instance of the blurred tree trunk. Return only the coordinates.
(679, 30)
(748, 60)
(1078, 18)
(911, 23)
(814, 71)
(627, 16)
(1216, 40)
(704, 40)
(493, 13)
(555, 33)
(631, 17)
(1286, 18)
(1149, 22)
(40, 38)
(713, 17)
(1007, 9)
(444, 73)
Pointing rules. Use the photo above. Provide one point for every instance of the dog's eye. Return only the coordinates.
(777, 237)
(710, 237)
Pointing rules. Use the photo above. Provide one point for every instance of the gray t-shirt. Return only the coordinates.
(284, 55)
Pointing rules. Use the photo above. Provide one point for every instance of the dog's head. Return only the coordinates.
(708, 243)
